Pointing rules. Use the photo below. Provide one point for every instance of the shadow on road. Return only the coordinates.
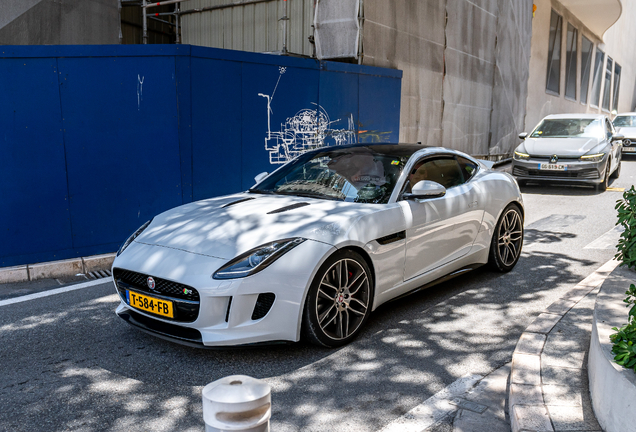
(92, 372)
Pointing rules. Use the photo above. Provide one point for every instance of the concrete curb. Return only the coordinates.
(612, 387)
(56, 269)
(527, 408)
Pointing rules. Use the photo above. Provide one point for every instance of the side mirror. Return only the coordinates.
(259, 178)
(523, 135)
(425, 189)
(617, 137)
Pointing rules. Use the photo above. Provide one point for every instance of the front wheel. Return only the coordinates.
(602, 187)
(339, 300)
(507, 239)
(617, 171)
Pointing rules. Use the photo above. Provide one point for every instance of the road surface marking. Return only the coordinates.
(434, 408)
(53, 292)
(609, 240)
(615, 189)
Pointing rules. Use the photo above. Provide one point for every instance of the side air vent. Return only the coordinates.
(263, 305)
(227, 314)
(392, 238)
(289, 207)
(237, 202)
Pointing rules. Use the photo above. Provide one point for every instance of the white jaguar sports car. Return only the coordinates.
(314, 247)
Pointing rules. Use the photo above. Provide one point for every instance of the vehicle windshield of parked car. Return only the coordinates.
(625, 121)
(354, 174)
(569, 128)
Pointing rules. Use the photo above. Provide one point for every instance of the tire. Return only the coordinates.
(507, 240)
(602, 187)
(617, 171)
(339, 300)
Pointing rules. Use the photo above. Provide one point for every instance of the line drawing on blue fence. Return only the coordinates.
(140, 90)
(307, 130)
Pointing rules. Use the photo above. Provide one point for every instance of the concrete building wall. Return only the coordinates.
(58, 22)
(463, 63)
(617, 43)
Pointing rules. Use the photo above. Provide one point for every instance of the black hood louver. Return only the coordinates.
(289, 207)
(237, 202)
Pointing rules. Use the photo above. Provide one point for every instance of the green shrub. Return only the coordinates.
(624, 339)
(627, 218)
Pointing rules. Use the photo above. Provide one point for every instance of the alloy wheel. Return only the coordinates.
(343, 299)
(509, 237)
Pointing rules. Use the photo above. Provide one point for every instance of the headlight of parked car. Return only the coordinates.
(521, 156)
(133, 237)
(256, 259)
(593, 157)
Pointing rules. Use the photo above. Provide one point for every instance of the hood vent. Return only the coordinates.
(236, 202)
(289, 207)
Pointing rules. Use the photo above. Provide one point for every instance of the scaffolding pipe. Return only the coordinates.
(144, 23)
(285, 19)
(149, 5)
(176, 21)
(161, 21)
(121, 36)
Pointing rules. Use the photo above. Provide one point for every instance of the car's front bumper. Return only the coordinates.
(576, 171)
(629, 147)
(226, 308)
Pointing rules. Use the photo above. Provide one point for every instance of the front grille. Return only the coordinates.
(547, 158)
(185, 298)
(589, 173)
(162, 286)
(264, 303)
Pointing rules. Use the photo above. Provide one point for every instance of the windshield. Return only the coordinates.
(354, 174)
(568, 128)
(625, 121)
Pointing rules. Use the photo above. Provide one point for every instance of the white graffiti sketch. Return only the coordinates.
(305, 131)
(140, 90)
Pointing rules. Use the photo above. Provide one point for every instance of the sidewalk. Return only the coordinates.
(547, 388)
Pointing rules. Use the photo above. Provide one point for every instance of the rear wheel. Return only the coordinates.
(507, 240)
(339, 300)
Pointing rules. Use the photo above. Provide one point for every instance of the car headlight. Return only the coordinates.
(520, 156)
(256, 259)
(133, 237)
(593, 157)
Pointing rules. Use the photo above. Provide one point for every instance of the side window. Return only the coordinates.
(445, 171)
(468, 168)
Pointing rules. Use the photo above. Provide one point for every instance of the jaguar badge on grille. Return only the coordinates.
(151, 282)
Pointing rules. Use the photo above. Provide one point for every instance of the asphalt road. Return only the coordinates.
(69, 364)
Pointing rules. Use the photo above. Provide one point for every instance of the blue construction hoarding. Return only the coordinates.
(96, 140)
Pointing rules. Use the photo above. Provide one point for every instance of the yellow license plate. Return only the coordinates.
(150, 304)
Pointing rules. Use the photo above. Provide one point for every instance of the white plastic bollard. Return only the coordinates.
(237, 403)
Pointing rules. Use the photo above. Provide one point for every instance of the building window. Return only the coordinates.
(586, 65)
(608, 83)
(570, 63)
(617, 83)
(596, 83)
(553, 82)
